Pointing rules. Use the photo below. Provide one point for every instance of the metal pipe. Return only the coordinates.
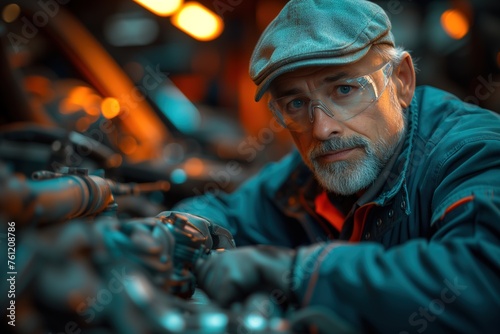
(52, 200)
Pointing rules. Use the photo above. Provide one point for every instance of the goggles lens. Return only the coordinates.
(341, 99)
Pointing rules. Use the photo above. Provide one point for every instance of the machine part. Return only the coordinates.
(53, 200)
(189, 247)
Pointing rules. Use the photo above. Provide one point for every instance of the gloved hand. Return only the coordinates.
(217, 236)
(231, 276)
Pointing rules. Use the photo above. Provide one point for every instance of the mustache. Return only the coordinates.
(337, 144)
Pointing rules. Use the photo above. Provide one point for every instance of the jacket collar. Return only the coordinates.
(394, 175)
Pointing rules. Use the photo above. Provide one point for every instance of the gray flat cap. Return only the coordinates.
(317, 32)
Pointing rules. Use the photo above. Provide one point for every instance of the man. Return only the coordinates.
(389, 213)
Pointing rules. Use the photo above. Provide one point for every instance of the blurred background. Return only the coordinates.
(112, 111)
(159, 90)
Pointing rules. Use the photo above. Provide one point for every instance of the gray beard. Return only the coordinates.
(349, 177)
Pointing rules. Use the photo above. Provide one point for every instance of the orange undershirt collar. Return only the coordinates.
(327, 210)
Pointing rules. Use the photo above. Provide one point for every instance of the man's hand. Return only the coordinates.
(231, 276)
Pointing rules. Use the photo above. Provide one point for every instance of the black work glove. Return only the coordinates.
(231, 276)
(217, 236)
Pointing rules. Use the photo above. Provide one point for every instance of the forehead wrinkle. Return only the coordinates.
(279, 92)
(336, 77)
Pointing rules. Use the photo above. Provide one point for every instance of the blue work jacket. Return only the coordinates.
(429, 258)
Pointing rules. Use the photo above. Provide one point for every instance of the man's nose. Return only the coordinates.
(324, 126)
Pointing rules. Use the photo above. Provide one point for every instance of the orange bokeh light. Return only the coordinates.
(454, 23)
(79, 94)
(11, 12)
(198, 21)
(92, 104)
(79, 98)
(194, 167)
(128, 145)
(110, 107)
(161, 7)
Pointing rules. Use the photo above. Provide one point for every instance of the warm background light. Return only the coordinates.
(161, 7)
(110, 107)
(128, 145)
(198, 21)
(11, 12)
(194, 167)
(455, 23)
(39, 86)
(79, 95)
(81, 98)
(266, 11)
(83, 123)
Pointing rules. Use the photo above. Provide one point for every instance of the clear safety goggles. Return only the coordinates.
(342, 99)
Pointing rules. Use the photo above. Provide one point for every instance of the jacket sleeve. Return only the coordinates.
(249, 213)
(447, 283)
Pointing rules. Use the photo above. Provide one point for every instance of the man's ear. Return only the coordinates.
(404, 80)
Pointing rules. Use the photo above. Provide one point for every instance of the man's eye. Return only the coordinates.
(344, 89)
(296, 104)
